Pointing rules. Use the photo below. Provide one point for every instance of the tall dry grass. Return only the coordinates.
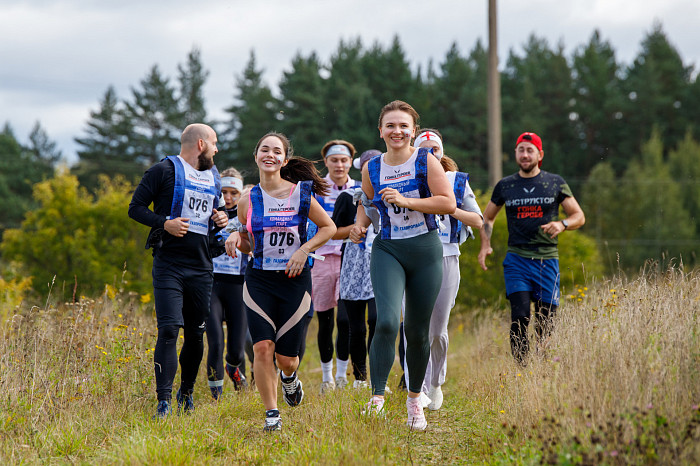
(617, 382)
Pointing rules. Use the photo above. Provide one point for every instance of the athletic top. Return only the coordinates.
(226, 268)
(278, 225)
(455, 233)
(333, 246)
(411, 180)
(530, 203)
(158, 186)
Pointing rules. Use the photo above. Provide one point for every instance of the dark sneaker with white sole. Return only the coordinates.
(292, 389)
(273, 421)
(185, 402)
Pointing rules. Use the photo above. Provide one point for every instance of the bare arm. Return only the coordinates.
(240, 240)
(485, 232)
(470, 219)
(574, 217)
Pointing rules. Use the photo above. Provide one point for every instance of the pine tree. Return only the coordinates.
(253, 114)
(156, 118)
(305, 119)
(656, 85)
(598, 107)
(191, 78)
(685, 170)
(107, 147)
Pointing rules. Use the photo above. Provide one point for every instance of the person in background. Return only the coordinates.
(531, 267)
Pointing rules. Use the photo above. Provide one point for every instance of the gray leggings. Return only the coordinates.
(414, 266)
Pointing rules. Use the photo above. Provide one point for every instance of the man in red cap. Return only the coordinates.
(531, 268)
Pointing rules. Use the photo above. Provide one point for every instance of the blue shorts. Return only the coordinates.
(538, 276)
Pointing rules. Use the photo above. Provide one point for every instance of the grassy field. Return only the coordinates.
(617, 383)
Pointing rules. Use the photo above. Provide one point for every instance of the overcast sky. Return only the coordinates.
(57, 57)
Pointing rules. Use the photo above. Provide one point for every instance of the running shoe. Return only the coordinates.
(360, 384)
(273, 421)
(216, 392)
(416, 418)
(292, 389)
(425, 400)
(435, 395)
(327, 387)
(237, 377)
(374, 407)
(185, 402)
(341, 382)
(163, 410)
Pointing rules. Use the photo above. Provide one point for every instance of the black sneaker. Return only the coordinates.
(163, 410)
(185, 403)
(216, 392)
(237, 377)
(273, 421)
(292, 389)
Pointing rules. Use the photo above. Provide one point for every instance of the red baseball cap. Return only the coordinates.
(531, 138)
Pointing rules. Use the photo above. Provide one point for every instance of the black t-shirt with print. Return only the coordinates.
(531, 203)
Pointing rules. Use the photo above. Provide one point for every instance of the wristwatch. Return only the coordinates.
(565, 223)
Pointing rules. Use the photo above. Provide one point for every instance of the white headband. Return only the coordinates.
(232, 182)
(338, 149)
(429, 136)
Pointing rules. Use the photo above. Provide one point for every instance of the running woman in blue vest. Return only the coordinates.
(184, 190)
(457, 228)
(227, 302)
(531, 267)
(409, 187)
(278, 280)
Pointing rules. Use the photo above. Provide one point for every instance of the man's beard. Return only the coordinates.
(204, 162)
(529, 168)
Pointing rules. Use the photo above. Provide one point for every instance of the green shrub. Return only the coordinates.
(77, 243)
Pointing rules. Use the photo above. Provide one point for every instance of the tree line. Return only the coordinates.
(623, 135)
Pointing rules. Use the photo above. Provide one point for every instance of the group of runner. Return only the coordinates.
(383, 251)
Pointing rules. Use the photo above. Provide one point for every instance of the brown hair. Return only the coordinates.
(297, 168)
(301, 169)
(339, 142)
(448, 164)
(402, 106)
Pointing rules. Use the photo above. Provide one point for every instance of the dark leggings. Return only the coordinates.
(360, 340)
(520, 319)
(414, 266)
(226, 305)
(165, 359)
(325, 334)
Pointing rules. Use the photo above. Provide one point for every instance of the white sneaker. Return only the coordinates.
(341, 382)
(327, 387)
(425, 400)
(435, 394)
(375, 407)
(416, 418)
(360, 384)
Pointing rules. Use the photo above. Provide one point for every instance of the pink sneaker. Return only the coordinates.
(375, 407)
(416, 418)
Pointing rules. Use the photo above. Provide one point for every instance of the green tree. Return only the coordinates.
(656, 85)
(305, 120)
(191, 78)
(653, 222)
(80, 239)
(460, 111)
(600, 196)
(20, 168)
(106, 147)
(254, 113)
(598, 108)
(538, 96)
(685, 170)
(156, 118)
(43, 148)
(353, 111)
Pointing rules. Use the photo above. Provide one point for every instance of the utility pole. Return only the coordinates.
(494, 101)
